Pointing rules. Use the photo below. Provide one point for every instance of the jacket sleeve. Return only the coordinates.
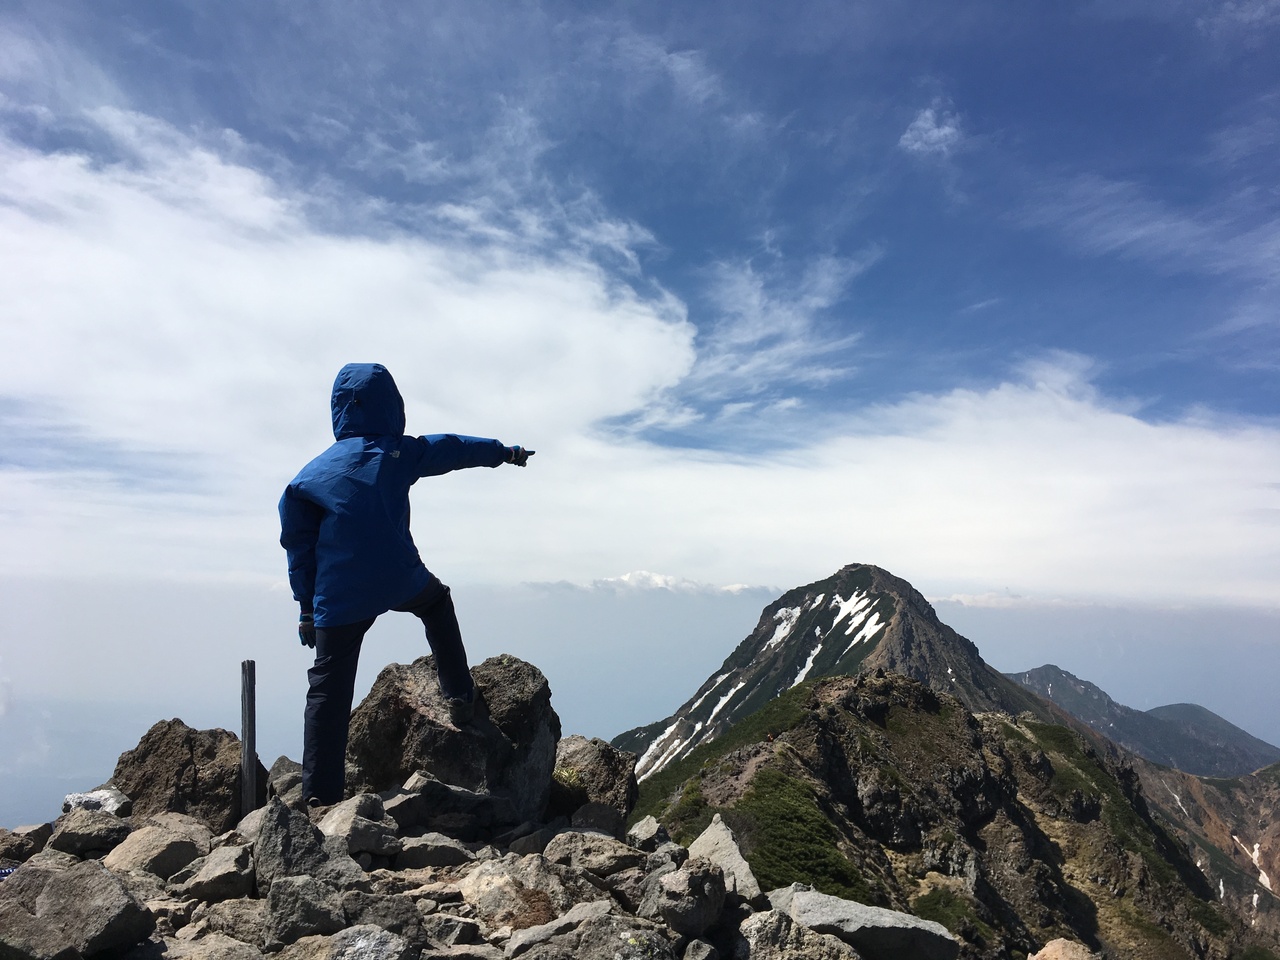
(443, 452)
(299, 533)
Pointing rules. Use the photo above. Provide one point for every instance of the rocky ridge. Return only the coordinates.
(1184, 736)
(419, 869)
(1010, 831)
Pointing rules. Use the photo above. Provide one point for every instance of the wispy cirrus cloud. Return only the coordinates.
(1230, 236)
(935, 132)
(766, 340)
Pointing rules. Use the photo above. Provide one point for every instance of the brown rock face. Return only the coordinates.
(175, 768)
(509, 749)
(593, 771)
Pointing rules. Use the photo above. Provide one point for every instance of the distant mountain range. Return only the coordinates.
(1009, 811)
(1182, 735)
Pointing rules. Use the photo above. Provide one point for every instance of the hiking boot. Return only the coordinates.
(462, 710)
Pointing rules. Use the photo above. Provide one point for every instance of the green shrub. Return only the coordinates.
(786, 838)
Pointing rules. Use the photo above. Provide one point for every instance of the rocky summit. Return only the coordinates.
(529, 856)
(854, 783)
(860, 619)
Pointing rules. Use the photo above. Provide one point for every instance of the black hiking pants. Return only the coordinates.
(332, 681)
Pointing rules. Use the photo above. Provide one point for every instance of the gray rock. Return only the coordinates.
(700, 950)
(508, 750)
(524, 891)
(51, 859)
(361, 942)
(425, 801)
(392, 912)
(718, 845)
(526, 939)
(213, 946)
(84, 831)
(534, 842)
(362, 822)
(23, 936)
(592, 771)
(288, 845)
(301, 906)
(142, 886)
(432, 850)
(249, 827)
(225, 874)
(83, 908)
(196, 772)
(871, 930)
(184, 826)
(107, 799)
(689, 899)
(171, 915)
(469, 951)
(284, 780)
(599, 855)
(22, 843)
(610, 937)
(445, 929)
(242, 918)
(628, 887)
(601, 818)
(670, 852)
(154, 849)
(647, 835)
(772, 935)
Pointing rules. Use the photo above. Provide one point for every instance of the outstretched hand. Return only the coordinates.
(519, 455)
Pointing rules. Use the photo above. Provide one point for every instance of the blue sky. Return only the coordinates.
(984, 293)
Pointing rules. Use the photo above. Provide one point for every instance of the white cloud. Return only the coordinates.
(768, 333)
(177, 313)
(934, 132)
(175, 304)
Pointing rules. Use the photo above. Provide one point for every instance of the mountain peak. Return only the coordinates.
(857, 620)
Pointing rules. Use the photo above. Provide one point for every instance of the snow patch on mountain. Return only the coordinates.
(715, 683)
(808, 664)
(786, 618)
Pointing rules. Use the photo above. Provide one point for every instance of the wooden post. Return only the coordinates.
(248, 739)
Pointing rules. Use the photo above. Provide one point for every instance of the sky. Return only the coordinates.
(982, 293)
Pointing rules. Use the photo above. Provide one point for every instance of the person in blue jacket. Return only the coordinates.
(344, 523)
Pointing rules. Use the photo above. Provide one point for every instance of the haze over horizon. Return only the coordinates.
(982, 294)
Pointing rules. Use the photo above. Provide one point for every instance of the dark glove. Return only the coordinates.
(519, 455)
(307, 630)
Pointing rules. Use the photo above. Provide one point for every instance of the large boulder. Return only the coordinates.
(21, 843)
(593, 853)
(592, 771)
(196, 772)
(718, 844)
(226, 873)
(773, 935)
(874, 931)
(155, 849)
(83, 908)
(525, 891)
(289, 846)
(88, 833)
(588, 933)
(508, 750)
(689, 899)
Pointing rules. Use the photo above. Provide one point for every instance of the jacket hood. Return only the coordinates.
(366, 402)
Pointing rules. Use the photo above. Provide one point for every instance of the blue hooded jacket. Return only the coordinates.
(344, 519)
